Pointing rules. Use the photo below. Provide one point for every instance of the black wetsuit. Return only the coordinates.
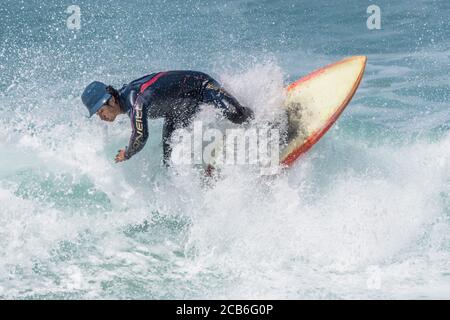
(174, 96)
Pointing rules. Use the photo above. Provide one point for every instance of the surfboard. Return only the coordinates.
(314, 103)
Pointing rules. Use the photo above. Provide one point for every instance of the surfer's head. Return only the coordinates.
(102, 100)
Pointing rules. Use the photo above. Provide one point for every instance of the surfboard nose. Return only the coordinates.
(362, 59)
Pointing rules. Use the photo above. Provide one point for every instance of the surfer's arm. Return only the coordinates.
(139, 124)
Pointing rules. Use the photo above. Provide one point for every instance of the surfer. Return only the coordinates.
(173, 95)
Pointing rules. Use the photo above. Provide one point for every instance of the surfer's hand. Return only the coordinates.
(120, 156)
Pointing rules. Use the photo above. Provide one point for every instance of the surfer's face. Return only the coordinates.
(109, 111)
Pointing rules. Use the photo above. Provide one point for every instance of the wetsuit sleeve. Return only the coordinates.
(139, 124)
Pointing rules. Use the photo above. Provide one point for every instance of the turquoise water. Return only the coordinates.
(364, 215)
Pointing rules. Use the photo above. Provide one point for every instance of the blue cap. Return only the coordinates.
(95, 96)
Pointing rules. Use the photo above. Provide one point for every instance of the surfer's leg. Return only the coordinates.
(168, 129)
(226, 103)
(174, 121)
